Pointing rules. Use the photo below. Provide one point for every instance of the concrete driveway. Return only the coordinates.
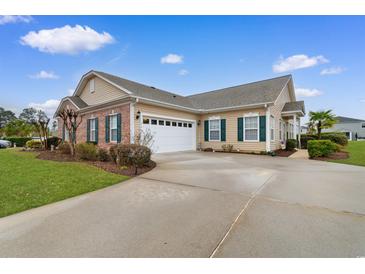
(204, 205)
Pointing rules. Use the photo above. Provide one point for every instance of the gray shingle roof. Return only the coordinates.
(294, 106)
(77, 101)
(265, 91)
(344, 120)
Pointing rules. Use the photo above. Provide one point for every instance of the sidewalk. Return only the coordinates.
(300, 154)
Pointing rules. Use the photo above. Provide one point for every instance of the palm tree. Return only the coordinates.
(321, 120)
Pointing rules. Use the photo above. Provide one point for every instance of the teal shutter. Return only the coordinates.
(63, 132)
(119, 128)
(107, 129)
(88, 130)
(223, 130)
(96, 130)
(262, 128)
(240, 129)
(206, 130)
(74, 136)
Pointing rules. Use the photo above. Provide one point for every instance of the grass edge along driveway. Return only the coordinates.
(27, 182)
(356, 151)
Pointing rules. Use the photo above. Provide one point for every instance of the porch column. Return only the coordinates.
(295, 126)
(268, 146)
(300, 132)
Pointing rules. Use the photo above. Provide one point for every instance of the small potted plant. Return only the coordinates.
(282, 144)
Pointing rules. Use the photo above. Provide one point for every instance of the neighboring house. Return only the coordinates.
(303, 129)
(252, 117)
(353, 128)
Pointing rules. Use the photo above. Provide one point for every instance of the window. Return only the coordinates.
(251, 132)
(214, 130)
(92, 130)
(174, 124)
(92, 85)
(113, 128)
(185, 124)
(153, 122)
(272, 128)
(168, 123)
(280, 130)
(146, 121)
(179, 124)
(363, 125)
(161, 122)
(190, 125)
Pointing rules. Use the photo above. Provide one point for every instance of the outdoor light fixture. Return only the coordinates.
(138, 114)
(198, 122)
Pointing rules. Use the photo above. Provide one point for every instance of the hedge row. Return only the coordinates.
(336, 137)
(19, 141)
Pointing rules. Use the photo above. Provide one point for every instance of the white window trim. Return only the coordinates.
(110, 128)
(272, 136)
(92, 85)
(258, 127)
(219, 123)
(92, 131)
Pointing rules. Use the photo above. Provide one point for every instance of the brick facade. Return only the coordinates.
(81, 134)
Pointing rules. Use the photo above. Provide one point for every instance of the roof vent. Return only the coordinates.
(174, 96)
(153, 87)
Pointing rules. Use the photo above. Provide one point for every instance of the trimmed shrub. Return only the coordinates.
(103, 155)
(336, 137)
(33, 144)
(321, 148)
(64, 148)
(227, 148)
(86, 151)
(304, 138)
(53, 141)
(131, 155)
(19, 141)
(291, 144)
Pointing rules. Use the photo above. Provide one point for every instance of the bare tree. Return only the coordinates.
(145, 138)
(71, 120)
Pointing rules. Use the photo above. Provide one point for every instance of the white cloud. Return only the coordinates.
(49, 106)
(67, 39)
(11, 19)
(362, 100)
(183, 72)
(297, 62)
(44, 75)
(172, 59)
(305, 92)
(332, 70)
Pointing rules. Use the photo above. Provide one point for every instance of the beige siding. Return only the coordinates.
(231, 131)
(104, 92)
(275, 111)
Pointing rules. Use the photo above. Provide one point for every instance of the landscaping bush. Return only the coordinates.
(86, 151)
(208, 149)
(64, 148)
(321, 148)
(131, 155)
(33, 144)
(227, 148)
(291, 144)
(53, 141)
(336, 137)
(304, 138)
(19, 141)
(103, 155)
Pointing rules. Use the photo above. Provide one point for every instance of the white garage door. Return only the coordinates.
(170, 135)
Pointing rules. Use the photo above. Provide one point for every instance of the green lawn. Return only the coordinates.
(357, 154)
(27, 182)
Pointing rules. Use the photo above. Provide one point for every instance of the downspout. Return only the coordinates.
(268, 139)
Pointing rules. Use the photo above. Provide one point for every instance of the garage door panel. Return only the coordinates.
(171, 138)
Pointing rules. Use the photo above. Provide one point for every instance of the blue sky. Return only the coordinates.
(41, 59)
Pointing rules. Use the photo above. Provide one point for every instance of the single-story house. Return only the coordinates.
(353, 128)
(252, 117)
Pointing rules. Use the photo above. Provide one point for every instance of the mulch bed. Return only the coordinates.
(334, 156)
(284, 153)
(107, 166)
